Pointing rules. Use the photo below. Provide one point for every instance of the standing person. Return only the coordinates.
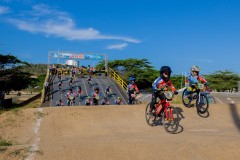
(193, 79)
(132, 89)
(162, 84)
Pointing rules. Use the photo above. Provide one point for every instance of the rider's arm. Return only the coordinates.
(204, 81)
(136, 89)
(171, 86)
(155, 84)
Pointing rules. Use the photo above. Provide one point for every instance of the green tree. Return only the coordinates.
(141, 69)
(178, 81)
(223, 80)
(12, 78)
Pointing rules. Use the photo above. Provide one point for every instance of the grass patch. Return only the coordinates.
(5, 143)
(23, 152)
(15, 108)
(177, 99)
(39, 114)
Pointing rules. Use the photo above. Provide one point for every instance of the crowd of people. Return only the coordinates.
(73, 74)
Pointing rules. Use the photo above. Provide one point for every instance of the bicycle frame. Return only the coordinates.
(165, 104)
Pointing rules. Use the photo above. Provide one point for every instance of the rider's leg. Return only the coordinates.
(153, 101)
(129, 99)
(188, 92)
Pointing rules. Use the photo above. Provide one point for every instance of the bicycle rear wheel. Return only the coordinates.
(202, 104)
(150, 116)
(186, 99)
(135, 101)
(171, 123)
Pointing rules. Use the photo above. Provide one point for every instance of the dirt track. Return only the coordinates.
(106, 133)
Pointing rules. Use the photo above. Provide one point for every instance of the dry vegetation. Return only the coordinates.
(14, 127)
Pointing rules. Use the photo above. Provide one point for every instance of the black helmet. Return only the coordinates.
(165, 69)
(96, 89)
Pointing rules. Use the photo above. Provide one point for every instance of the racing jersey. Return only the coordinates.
(195, 79)
(159, 84)
(131, 88)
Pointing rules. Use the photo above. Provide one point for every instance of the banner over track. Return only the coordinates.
(79, 56)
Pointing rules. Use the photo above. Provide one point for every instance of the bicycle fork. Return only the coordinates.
(168, 112)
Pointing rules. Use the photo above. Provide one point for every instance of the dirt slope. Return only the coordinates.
(121, 133)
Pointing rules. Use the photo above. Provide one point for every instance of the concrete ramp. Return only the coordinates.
(121, 133)
(97, 81)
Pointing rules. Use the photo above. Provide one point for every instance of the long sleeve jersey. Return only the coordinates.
(195, 79)
(159, 83)
(131, 88)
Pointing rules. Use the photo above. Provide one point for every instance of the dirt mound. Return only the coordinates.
(16, 131)
(120, 132)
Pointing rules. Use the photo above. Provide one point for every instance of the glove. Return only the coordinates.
(175, 92)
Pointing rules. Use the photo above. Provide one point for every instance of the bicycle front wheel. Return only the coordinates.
(170, 119)
(211, 100)
(186, 98)
(150, 116)
(202, 104)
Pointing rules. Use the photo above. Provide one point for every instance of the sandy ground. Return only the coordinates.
(120, 133)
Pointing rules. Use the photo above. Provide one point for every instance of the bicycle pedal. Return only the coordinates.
(169, 119)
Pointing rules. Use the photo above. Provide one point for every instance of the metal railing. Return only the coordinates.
(118, 79)
(43, 90)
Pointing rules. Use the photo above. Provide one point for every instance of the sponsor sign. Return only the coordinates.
(78, 56)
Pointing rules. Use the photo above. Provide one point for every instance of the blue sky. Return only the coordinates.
(178, 33)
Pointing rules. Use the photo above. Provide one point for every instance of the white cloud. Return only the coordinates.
(118, 46)
(4, 10)
(51, 22)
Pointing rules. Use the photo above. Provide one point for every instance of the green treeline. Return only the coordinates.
(146, 74)
(17, 75)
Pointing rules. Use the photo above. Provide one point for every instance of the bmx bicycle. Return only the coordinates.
(70, 100)
(199, 94)
(135, 99)
(164, 113)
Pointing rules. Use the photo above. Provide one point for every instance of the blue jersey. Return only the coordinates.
(192, 79)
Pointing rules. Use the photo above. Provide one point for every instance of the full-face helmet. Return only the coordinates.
(132, 79)
(165, 73)
(195, 69)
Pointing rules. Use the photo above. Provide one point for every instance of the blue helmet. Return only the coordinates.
(132, 80)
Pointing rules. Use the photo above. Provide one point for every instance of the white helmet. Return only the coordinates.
(195, 68)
